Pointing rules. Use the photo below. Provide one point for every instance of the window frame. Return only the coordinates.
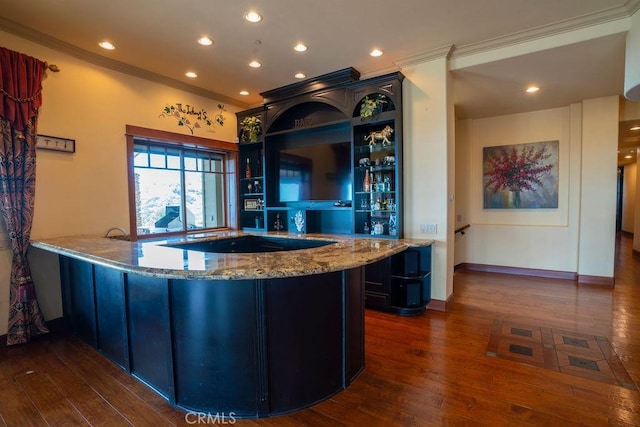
(229, 152)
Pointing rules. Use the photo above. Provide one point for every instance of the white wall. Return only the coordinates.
(525, 238)
(428, 165)
(86, 192)
(578, 236)
(599, 178)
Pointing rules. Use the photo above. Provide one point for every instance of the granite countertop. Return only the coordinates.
(155, 259)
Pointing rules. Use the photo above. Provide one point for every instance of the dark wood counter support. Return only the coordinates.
(255, 348)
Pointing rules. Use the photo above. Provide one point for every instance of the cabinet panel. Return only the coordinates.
(79, 299)
(302, 318)
(378, 276)
(204, 310)
(150, 332)
(377, 300)
(113, 338)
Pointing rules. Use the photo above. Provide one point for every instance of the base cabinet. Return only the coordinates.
(248, 347)
(401, 283)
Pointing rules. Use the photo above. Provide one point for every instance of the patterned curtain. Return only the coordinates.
(21, 90)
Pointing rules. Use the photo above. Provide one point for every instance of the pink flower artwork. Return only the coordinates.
(521, 176)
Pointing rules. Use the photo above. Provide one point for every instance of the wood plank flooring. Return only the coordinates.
(429, 370)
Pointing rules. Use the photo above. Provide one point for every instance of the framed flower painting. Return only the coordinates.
(521, 176)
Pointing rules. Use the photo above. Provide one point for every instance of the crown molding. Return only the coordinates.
(440, 52)
(102, 61)
(379, 72)
(564, 26)
(632, 6)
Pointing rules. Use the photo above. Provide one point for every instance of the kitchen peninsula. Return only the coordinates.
(216, 328)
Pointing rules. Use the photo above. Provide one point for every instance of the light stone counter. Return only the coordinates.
(157, 258)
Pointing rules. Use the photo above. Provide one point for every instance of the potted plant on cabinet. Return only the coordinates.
(250, 129)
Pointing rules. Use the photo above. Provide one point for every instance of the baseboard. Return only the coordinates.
(549, 274)
(439, 305)
(596, 280)
(581, 279)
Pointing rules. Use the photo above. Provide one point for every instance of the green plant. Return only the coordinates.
(250, 128)
(372, 105)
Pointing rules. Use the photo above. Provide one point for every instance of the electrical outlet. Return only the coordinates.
(429, 228)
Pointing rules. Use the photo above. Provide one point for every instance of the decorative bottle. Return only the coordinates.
(366, 184)
(247, 173)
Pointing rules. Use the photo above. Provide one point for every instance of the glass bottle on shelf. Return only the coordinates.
(366, 229)
(278, 223)
(247, 172)
(366, 184)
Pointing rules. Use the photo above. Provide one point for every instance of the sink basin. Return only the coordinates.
(252, 244)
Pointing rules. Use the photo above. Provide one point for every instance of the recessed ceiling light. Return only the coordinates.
(300, 47)
(205, 41)
(532, 89)
(255, 64)
(106, 45)
(191, 74)
(635, 128)
(253, 16)
(376, 52)
(300, 75)
(628, 157)
(244, 92)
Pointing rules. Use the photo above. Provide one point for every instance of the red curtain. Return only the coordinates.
(21, 90)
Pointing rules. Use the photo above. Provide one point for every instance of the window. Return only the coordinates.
(179, 186)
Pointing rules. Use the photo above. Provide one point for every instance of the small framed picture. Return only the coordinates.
(55, 143)
(251, 204)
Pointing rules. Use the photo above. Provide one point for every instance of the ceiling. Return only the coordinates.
(156, 39)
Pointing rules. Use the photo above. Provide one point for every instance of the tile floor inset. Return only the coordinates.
(582, 355)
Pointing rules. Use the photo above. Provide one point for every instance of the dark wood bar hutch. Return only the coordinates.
(325, 156)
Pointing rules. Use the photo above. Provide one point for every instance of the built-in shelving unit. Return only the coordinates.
(251, 185)
(329, 160)
(307, 159)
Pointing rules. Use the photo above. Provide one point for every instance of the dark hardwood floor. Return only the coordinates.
(429, 370)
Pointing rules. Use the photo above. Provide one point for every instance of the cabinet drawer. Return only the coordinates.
(375, 300)
(379, 287)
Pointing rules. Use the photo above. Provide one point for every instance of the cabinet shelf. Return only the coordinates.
(252, 195)
(419, 276)
(375, 192)
(375, 148)
(254, 178)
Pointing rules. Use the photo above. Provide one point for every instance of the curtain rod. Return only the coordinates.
(52, 67)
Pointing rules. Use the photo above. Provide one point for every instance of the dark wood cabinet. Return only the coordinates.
(309, 130)
(400, 283)
(377, 284)
(251, 182)
(377, 147)
(309, 159)
(252, 347)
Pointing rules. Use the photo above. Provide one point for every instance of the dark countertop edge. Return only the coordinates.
(229, 274)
